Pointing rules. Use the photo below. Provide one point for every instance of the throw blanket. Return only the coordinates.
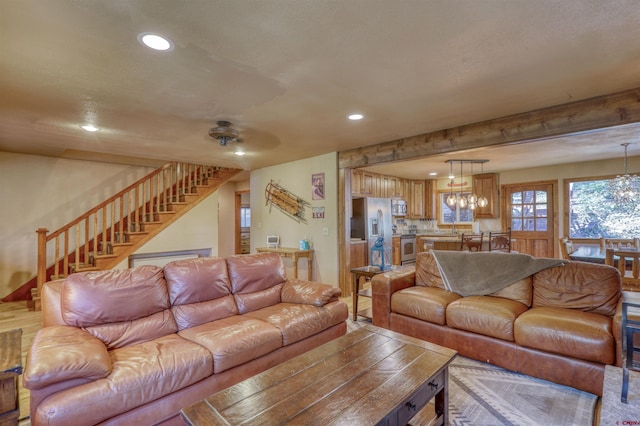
(480, 273)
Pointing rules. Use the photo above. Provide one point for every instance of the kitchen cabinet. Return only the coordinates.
(356, 182)
(396, 254)
(415, 200)
(370, 185)
(487, 185)
(358, 254)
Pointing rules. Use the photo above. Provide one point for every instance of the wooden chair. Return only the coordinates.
(471, 242)
(500, 241)
(630, 278)
(619, 243)
(566, 248)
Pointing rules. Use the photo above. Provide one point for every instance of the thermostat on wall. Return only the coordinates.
(273, 241)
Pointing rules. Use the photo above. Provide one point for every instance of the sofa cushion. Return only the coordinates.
(235, 340)
(567, 332)
(140, 374)
(256, 280)
(487, 315)
(582, 286)
(197, 280)
(427, 272)
(94, 298)
(101, 302)
(199, 291)
(297, 322)
(425, 303)
(520, 291)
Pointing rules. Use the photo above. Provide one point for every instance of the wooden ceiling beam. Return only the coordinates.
(576, 117)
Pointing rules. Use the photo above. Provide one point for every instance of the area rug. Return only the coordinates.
(614, 412)
(482, 394)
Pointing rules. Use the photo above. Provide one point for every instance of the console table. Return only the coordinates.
(294, 254)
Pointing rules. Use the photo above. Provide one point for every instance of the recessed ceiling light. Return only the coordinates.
(155, 41)
(355, 117)
(89, 128)
(433, 173)
(239, 152)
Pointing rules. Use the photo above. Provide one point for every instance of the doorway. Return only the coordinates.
(243, 223)
(530, 212)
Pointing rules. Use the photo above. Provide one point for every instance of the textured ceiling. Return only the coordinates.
(287, 72)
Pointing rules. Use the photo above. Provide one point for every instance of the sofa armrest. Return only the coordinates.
(383, 286)
(60, 353)
(309, 293)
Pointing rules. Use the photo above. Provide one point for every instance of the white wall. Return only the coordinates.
(268, 220)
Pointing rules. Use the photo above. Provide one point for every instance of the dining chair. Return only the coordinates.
(500, 241)
(566, 248)
(630, 345)
(471, 242)
(619, 243)
(622, 259)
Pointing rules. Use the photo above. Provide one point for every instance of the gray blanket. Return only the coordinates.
(480, 273)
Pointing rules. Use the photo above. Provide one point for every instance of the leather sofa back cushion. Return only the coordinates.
(197, 280)
(428, 275)
(256, 280)
(588, 287)
(427, 272)
(95, 298)
(127, 333)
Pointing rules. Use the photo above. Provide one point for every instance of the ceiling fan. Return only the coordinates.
(224, 133)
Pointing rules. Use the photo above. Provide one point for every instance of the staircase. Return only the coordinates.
(107, 234)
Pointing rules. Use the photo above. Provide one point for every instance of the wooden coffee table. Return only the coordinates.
(366, 377)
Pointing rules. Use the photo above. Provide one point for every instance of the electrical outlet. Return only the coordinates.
(325, 231)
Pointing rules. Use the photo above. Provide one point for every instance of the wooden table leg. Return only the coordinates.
(295, 265)
(355, 283)
(310, 265)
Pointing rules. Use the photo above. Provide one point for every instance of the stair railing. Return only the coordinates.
(110, 222)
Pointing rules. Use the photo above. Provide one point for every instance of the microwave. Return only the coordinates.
(398, 208)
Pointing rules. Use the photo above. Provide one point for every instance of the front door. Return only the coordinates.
(530, 213)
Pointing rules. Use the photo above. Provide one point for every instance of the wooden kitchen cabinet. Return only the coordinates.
(415, 201)
(358, 254)
(396, 255)
(487, 185)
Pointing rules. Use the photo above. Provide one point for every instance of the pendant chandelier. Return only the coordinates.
(471, 201)
(625, 189)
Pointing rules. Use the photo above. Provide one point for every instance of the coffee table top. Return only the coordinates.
(356, 379)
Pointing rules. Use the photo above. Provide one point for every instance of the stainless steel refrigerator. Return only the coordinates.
(379, 231)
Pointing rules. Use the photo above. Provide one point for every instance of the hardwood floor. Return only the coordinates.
(16, 315)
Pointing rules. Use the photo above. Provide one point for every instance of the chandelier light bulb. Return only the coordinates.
(483, 202)
(462, 202)
(452, 200)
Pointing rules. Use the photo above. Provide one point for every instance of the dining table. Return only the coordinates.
(592, 253)
(589, 253)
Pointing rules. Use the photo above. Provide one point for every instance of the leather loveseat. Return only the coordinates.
(560, 324)
(135, 346)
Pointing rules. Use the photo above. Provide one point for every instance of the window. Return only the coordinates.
(245, 217)
(529, 211)
(594, 214)
(449, 214)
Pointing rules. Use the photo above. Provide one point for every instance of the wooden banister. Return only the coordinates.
(108, 223)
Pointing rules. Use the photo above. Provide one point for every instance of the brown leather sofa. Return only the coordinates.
(135, 346)
(560, 324)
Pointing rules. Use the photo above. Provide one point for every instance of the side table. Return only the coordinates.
(10, 369)
(356, 274)
(294, 254)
